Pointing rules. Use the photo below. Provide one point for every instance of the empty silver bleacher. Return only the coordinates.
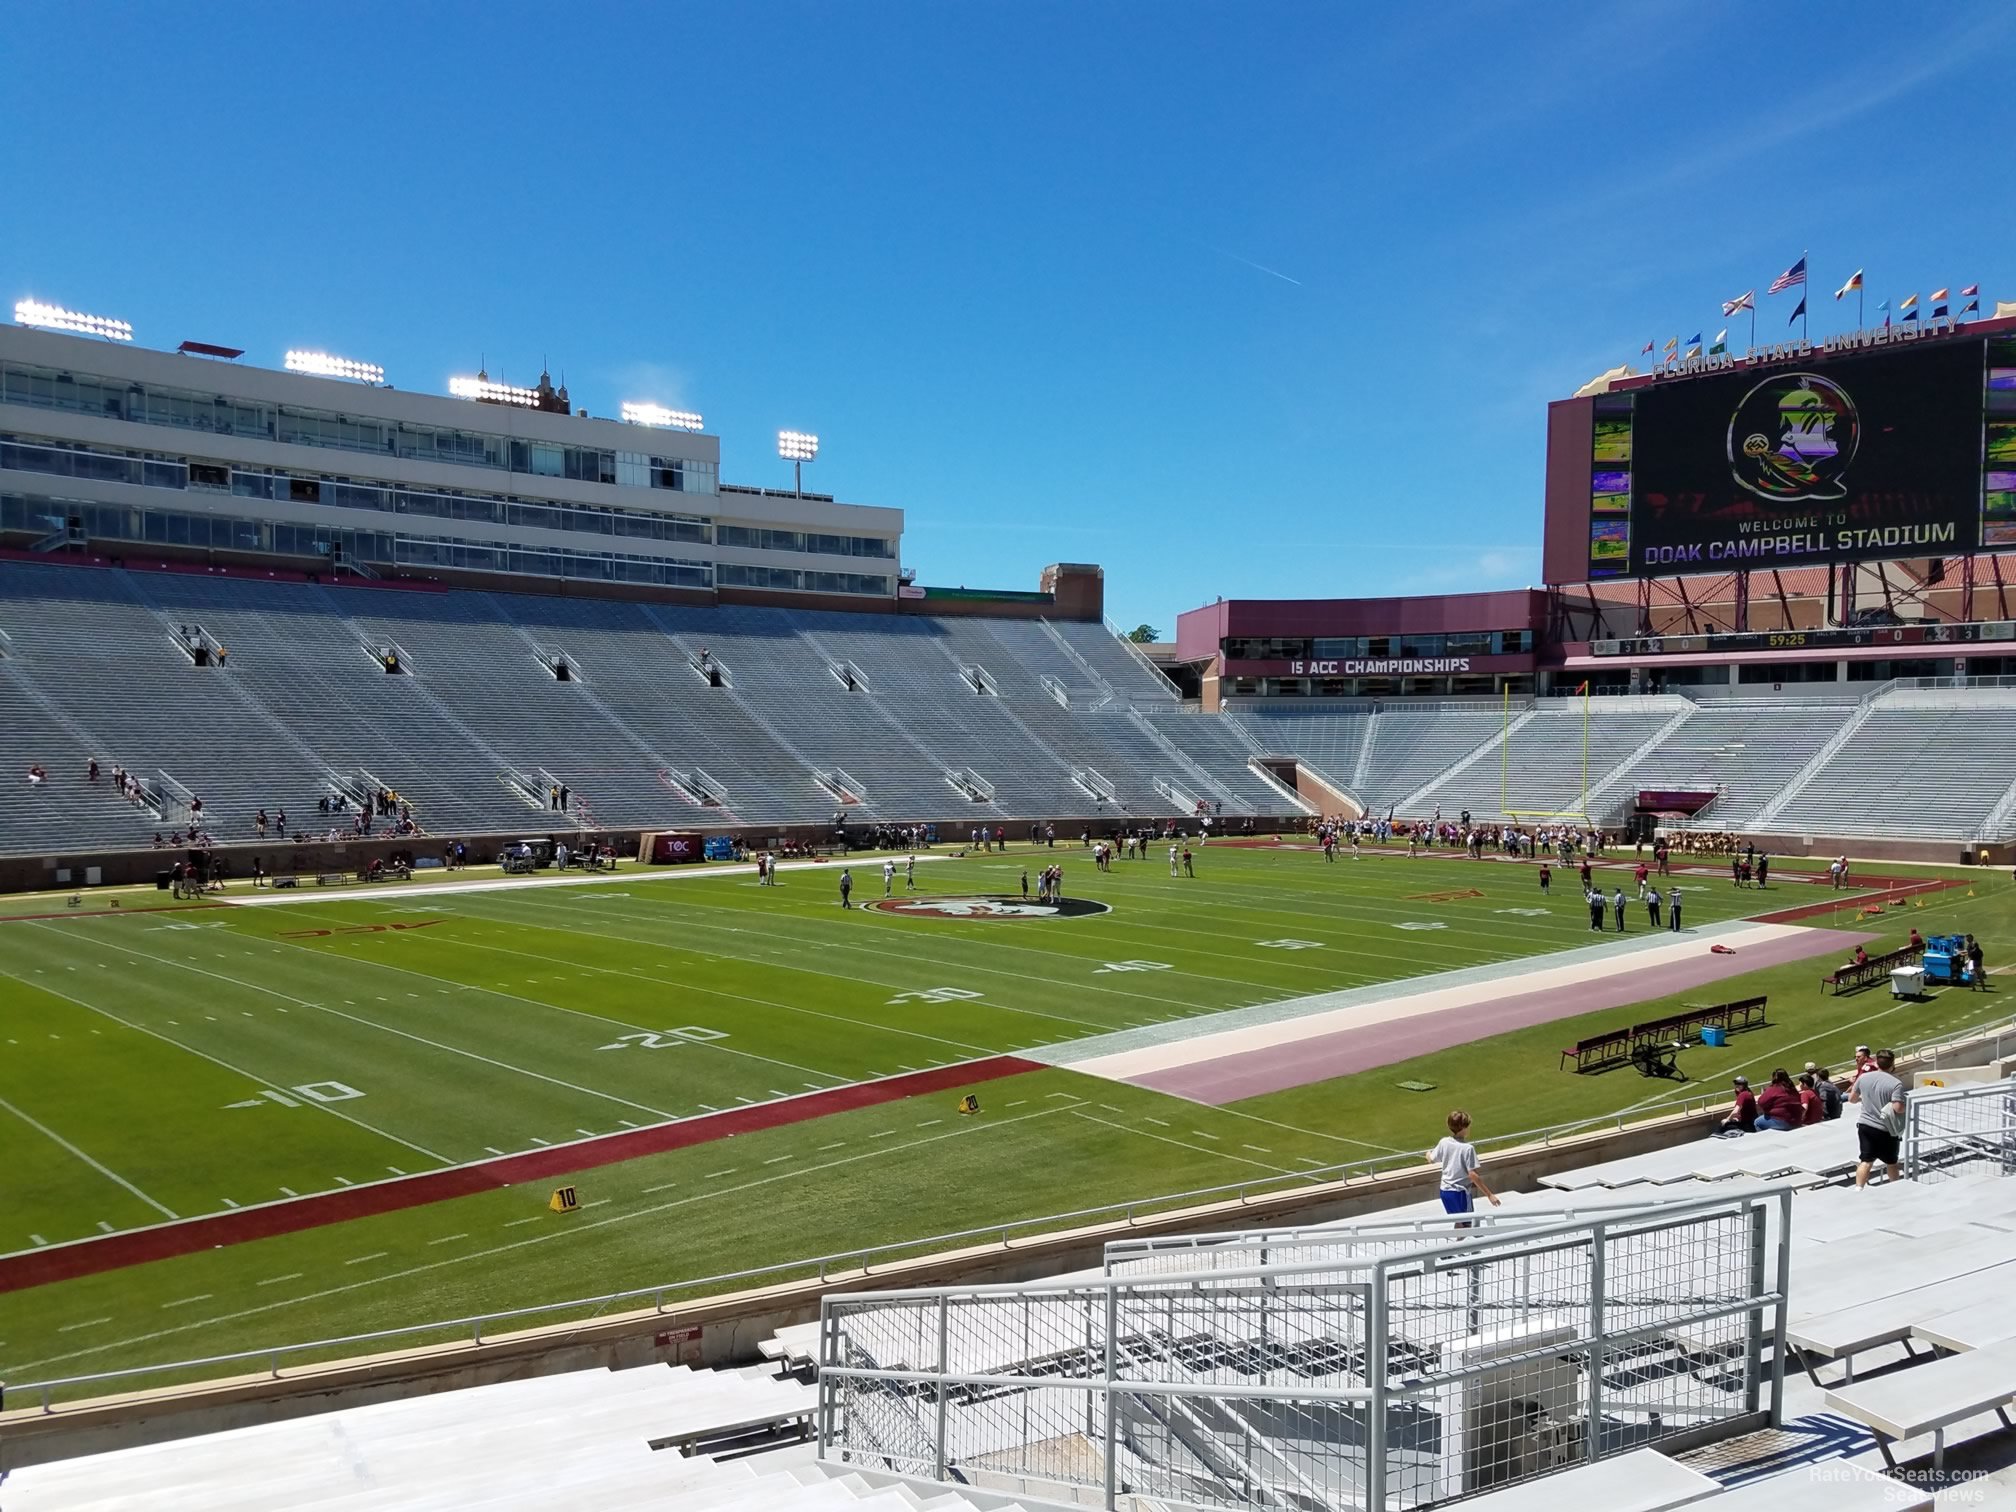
(590, 1438)
(113, 665)
(1922, 763)
(1744, 750)
(293, 647)
(1331, 740)
(1539, 768)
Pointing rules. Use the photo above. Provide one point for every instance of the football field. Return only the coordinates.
(227, 1127)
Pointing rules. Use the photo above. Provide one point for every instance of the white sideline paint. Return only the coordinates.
(1312, 1017)
(298, 895)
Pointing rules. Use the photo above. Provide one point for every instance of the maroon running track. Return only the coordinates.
(88, 1257)
(1276, 1068)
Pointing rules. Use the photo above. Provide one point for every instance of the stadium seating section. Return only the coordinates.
(680, 716)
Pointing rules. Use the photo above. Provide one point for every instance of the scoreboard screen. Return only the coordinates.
(1905, 451)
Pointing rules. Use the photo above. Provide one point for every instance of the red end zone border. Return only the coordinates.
(89, 1257)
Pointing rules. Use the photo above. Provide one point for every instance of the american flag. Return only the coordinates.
(1790, 278)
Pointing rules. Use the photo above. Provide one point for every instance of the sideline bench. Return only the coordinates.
(1906, 1404)
(1653, 1040)
(1600, 1050)
(1685, 1027)
(1852, 978)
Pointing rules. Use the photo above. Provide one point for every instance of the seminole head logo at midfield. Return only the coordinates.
(1792, 438)
(999, 907)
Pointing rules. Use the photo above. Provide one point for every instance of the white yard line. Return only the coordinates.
(97, 1165)
(418, 1039)
(568, 1231)
(517, 884)
(1179, 1143)
(255, 1079)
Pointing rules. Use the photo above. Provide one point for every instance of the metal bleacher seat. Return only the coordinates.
(539, 1442)
(1329, 741)
(1932, 1397)
(1920, 763)
(295, 648)
(1543, 769)
(1741, 750)
(1641, 1481)
(94, 648)
(912, 670)
(1407, 747)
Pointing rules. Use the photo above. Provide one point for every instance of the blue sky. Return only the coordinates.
(1253, 299)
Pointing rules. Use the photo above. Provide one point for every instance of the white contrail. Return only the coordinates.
(1258, 267)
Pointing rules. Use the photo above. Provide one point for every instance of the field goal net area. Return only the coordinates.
(1538, 818)
(1576, 757)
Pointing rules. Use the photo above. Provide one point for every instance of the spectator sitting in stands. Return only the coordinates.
(159, 843)
(1811, 1109)
(1742, 1115)
(1778, 1105)
(1824, 1085)
(36, 776)
(91, 770)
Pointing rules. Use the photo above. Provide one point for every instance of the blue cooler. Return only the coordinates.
(1716, 1038)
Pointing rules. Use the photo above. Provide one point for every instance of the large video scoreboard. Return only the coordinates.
(1904, 448)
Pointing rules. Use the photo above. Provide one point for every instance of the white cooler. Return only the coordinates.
(1907, 982)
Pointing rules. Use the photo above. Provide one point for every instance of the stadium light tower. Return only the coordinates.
(480, 387)
(637, 412)
(323, 365)
(797, 448)
(48, 317)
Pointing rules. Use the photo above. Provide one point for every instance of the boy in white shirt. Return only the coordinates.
(1458, 1159)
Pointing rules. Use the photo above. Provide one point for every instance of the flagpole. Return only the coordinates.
(1858, 307)
(1805, 303)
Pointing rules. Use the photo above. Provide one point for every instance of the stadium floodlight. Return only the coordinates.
(797, 448)
(323, 365)
(636, 412)
(48, 317)
(480, 387)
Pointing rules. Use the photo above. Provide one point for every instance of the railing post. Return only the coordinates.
(273, 1363)
(476, 1331)
(1375, 1378)
(1782, 1309)
(1110, 1473)
(944, 1328)
(1592, 1444)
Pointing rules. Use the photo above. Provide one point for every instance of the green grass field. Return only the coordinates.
(164, 1065)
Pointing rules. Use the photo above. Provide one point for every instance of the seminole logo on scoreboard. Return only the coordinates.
(1792, 438)
(1002, 907)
